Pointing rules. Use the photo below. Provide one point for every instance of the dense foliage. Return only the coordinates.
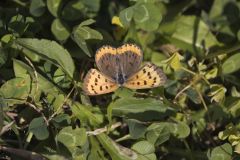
(48, 46)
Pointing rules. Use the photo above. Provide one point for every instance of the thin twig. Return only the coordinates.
(35, 73)
(183, 90)
(39, 111)
(60, 107)
(187, 70)
(102, 130)
(22, 153)
(149, 95)
(203, 102)
(6, 128)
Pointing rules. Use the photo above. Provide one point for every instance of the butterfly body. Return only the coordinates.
(120, 79)
(120, 67)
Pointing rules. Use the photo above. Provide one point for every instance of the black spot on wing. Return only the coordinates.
(144, 70)
(145, 82)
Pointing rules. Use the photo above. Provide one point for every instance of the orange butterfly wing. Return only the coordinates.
(149, 76)
(95, 83)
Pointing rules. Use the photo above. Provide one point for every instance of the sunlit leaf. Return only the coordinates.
(231, 64)
(18, 88)
(116, 21)
(143, 147)
(126, 15)
(222, 152)
(147, 16)
(174, 61)
(217, 93)
(72, 137)
(54, 6)
(82, 33)
(116, 151)
(60, 30)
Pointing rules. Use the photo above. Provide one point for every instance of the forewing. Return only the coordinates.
(130, 57)
(125, 59)
(149, 76)
(106, 60)
(96, 83)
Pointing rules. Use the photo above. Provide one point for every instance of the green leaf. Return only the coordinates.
(223, 152)
(73, 10)
(37, 8)
(61, 120)
(123, 93)
(217, 93)
(96, 151)
(61, 78)
(143, 147)
(72, 137)
(136, 129)
(87, 22)
(181, 130)
(151, 156)
(54, 7)
(115, 150)
(147, 16)
(50, 51)
(212, 73)
(158, 133)
(231, 64)
(126, 16)
(17, 25)
(39, 128)
(157, 58)
(85, 115)
(193, 95)
(60, 30)
(82, 44)
(230, 130)
(174, 61)
(219, 16)
(92, 5)
(235, 108)
(87, 33)
(128, 106)
(21, 69)
(189, 33)
(18, 88)
(82, 33)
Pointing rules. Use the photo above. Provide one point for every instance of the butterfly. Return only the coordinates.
(121, 67)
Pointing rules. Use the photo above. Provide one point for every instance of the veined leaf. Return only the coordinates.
(50, 51)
